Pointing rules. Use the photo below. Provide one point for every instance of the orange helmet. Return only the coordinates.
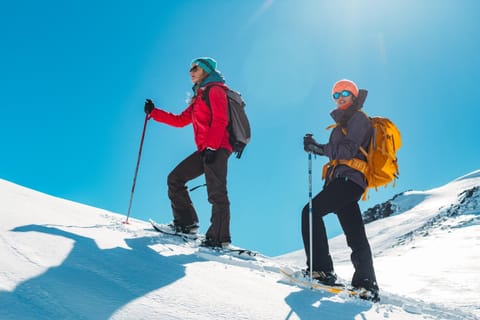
(345, 84)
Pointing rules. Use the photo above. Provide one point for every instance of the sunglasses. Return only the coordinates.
(343, 93)
(194, 68)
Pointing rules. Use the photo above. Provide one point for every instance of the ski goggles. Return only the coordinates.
(194, 68)
(343, 93)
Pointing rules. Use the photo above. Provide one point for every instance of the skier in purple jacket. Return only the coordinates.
(341, 192)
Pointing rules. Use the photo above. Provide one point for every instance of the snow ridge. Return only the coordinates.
(465, 212)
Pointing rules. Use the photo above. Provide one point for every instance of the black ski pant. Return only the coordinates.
(184, 213)
(341, 197)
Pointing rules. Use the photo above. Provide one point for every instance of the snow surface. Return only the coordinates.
(64, 260)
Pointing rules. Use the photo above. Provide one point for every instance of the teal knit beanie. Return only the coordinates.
(206, 63)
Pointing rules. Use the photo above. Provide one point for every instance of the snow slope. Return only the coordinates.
(64, 260)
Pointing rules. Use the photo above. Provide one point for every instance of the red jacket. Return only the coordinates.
(209, 124)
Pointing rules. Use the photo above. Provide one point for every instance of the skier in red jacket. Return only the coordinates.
(211, 157)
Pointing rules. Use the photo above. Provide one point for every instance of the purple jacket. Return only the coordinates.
(340, 146)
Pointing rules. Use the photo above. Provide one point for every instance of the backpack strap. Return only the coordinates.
(206, 98)
(206, 92)
(332, 126)
(354, 163)
(344, 131)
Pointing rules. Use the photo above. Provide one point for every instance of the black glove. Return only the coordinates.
(208, 155)
(310, 145)
(149, 106)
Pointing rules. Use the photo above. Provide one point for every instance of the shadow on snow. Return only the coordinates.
(307, 304)
(92, 282)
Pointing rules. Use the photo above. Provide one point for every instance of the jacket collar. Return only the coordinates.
(342, 116)
(213, 77)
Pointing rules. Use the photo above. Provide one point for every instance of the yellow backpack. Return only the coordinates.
(381, 167)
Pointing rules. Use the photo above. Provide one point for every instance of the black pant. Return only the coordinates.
(341, 197)
(184, 213)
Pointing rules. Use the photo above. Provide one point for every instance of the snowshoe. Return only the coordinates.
(328, 278)
(189, 232)
(209, 243)
(367, 290)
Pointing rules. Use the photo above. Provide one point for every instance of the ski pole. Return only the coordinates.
(310, 214)
(138, 164)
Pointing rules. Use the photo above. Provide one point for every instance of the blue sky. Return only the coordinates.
(74, 76)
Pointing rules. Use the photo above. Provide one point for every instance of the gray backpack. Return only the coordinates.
(238, 124)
